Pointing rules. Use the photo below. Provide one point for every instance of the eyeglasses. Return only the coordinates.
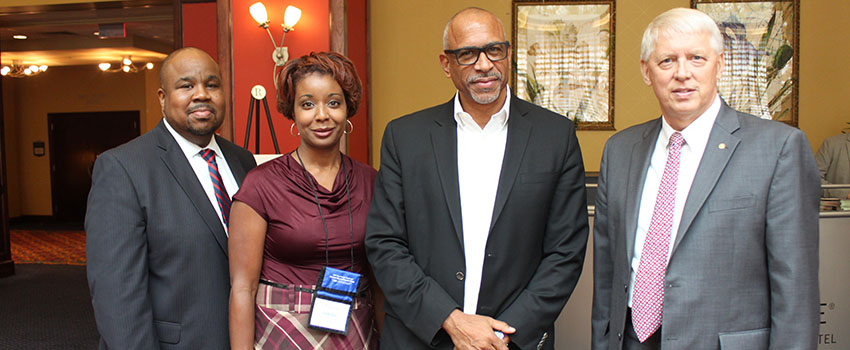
(467, 56)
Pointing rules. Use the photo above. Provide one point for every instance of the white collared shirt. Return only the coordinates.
(479, 165)
(696, 137)
(199, 165)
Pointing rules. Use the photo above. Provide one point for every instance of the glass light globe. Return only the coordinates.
(258, 12)
(291, 16)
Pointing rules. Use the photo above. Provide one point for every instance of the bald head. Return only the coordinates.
(188, 52)
(191, 94)
(471, 16)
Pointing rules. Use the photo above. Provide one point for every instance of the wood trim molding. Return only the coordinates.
(224, 13)
(338, 42)
(7, 266)
(177, 18)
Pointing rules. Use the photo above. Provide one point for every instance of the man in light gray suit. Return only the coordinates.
(833, 160)
(156, 222)
(706, 232)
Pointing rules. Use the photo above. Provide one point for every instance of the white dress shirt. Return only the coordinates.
(479, 165)
(201, 168)
(696, 137)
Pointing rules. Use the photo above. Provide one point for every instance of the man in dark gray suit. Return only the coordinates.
(156, 233)
(478, 223)
(706, 231)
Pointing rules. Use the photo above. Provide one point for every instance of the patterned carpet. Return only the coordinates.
(48, 247)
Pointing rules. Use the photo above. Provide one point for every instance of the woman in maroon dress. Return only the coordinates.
(300, 212)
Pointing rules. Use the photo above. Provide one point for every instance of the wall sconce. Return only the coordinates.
(127, 66)
(290, 18)
(18, 70)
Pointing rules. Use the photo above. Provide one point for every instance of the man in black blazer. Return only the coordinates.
(156, 238)
(478, 222)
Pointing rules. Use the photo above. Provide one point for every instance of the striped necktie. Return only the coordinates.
(218, 185)
(648, 299)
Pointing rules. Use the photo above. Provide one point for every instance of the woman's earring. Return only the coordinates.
(292, 132)
(349, 124)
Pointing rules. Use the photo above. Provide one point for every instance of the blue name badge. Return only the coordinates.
(335, 292)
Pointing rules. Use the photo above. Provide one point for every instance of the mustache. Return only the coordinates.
(198, 106)
(474, 77)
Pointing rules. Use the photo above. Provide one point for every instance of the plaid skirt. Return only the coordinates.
(282, 316)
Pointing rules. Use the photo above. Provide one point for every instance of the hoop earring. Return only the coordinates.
(349, 124)
(290, 130)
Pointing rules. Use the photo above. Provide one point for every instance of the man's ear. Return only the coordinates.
(644, 71)
(720, 66)
(161, 94)
(444, 62)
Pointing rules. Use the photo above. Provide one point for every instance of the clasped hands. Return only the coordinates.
(476, 332)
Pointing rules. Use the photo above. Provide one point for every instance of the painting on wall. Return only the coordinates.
(761, 55)
(564, 59)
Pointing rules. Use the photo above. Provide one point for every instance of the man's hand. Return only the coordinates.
(476, 332)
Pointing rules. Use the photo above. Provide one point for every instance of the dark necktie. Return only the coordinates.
(218, 185)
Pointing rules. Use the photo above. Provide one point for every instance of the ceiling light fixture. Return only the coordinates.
(19, 37)
(127, 66)
(18, 70)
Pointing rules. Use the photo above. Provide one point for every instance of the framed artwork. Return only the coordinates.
(761, 54)
(564, 59)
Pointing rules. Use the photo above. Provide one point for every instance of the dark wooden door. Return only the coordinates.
(76, 139)
(7, 266)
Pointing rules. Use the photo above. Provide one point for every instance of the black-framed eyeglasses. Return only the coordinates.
(467, 56)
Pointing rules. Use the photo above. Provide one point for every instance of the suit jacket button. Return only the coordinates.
(459, 276)
(619, 336)
(626, 288)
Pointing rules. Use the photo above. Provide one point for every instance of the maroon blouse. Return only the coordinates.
(294, 250)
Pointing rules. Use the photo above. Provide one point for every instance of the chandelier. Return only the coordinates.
(127, 66)
(19, 70)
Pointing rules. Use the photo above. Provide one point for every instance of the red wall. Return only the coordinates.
(252, 62)
(199, 27)
(358, 143)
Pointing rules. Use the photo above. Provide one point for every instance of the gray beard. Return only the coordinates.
(486, 99)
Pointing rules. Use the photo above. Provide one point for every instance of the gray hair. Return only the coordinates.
(451, 20)
(680, 21)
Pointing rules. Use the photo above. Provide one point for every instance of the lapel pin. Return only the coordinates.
(721, 146)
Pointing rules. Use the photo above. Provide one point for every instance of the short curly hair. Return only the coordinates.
(339, 67)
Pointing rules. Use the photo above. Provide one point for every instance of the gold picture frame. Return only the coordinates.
(564, 59)
(761, 52)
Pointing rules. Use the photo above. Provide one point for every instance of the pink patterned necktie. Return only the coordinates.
(648, 298)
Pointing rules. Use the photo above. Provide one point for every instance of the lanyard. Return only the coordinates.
(319, 205)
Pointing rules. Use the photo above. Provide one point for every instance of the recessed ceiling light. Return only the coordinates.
(19, 37)
(96, 33)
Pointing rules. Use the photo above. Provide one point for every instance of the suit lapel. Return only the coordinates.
(639, 164)
(444, 143)
(232, 161)
(518, 131)
(180, 168)
(711, 166)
